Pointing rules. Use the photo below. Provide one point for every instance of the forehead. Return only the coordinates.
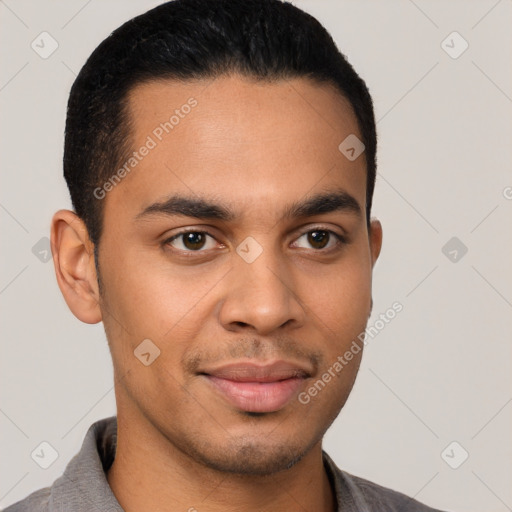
(262, 110)
(251, 142)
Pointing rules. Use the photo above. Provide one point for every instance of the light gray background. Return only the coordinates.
(439, 372)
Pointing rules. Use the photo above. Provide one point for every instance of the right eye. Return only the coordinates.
(190, 241)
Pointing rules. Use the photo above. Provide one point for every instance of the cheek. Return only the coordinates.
(342, 299)
(150, 296)
(340, 310)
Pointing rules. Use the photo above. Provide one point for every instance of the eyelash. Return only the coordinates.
(340, 240)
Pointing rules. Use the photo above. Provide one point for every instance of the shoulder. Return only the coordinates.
(368, 496)
(35, 502)
(386, 499)
(83, 481)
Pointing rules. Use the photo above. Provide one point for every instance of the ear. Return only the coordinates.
(73, 258)
(375, 239)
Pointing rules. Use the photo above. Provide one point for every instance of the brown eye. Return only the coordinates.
(193, 241)
(190, 241)
(318, 239)
(321, 239)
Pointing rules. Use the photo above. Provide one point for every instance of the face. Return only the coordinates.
(238, 245)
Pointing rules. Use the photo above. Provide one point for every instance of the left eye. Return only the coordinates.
(320, 238)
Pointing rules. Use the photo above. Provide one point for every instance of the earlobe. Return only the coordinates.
(375, 239)
(73, 258)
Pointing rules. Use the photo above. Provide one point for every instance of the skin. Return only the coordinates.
(257, 148)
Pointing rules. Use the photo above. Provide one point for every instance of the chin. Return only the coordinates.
(250, 457)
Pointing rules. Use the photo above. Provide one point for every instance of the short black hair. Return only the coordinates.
(186, 40)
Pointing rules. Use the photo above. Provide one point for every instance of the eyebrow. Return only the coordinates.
(178, 205)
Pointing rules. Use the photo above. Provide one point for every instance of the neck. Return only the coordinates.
(149, 473)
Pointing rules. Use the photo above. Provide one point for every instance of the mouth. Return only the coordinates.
(257, 388)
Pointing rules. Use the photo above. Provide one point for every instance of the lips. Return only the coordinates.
(257, 388)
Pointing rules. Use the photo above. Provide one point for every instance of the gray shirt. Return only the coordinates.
(83, 487)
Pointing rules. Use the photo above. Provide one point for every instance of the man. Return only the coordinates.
(221, 160)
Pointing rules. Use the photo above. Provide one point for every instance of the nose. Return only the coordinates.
(261, 296)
